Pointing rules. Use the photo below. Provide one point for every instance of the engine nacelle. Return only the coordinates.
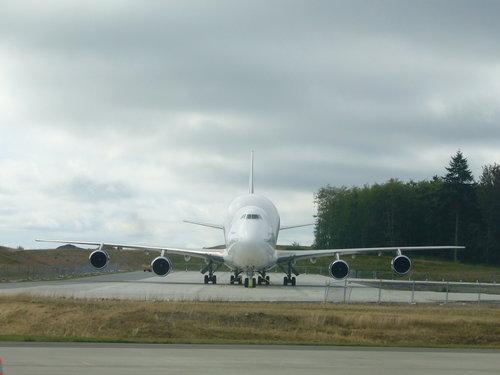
(99, 259)
(161, 266)
(339, 269)
(401, 264)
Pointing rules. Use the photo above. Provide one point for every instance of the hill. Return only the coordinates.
(64, 256)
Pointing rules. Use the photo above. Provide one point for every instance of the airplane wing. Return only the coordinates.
(216, 226)
(289, 255)
(213, 254)
(285, 227)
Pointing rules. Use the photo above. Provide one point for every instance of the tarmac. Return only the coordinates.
(188, 286)
(133, 359)
(124, 359)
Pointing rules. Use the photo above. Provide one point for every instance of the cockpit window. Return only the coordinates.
(251, 217)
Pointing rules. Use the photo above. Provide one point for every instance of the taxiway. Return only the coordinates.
(188, 286)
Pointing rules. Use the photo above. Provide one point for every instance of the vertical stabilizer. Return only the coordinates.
(250, 182)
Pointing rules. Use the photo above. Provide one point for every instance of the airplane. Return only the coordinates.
(251, 229)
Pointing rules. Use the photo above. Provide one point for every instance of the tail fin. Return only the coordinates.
(250, 182)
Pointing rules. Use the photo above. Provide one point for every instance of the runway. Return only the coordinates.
(133, 359)
(188, 286)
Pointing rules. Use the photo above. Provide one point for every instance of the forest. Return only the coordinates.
(454, 209)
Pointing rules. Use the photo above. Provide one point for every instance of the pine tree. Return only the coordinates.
(458, 171)
(458, 188)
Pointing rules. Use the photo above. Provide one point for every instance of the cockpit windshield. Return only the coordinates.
(251, 217)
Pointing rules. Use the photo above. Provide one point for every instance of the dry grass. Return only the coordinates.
(26, 318)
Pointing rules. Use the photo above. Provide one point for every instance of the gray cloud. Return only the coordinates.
(88, 190)
(157, 104)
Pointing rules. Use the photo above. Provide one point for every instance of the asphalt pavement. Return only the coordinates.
(133, 359)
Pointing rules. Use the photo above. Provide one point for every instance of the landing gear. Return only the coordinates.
(263, 279)
(250, 283)
(236, 279)
(210, 278)
(289, 279)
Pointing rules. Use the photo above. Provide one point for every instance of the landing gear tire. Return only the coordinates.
(289, 280)
(246, 282)
(231, 279)
(263, 280)
(210, 279)
(253, 282)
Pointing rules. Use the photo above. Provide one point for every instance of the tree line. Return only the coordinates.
(453, 209)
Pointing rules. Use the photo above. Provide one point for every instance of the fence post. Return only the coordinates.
(413, 293)
(327, 289)
(478, 292)
(447, 291)
(379, 291)
(345, 288)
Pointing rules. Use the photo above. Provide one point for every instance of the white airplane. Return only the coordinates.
(251, 231)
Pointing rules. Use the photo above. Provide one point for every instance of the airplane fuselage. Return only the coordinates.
(251, 231)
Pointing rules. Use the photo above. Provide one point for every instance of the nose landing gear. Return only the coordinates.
(250, 282)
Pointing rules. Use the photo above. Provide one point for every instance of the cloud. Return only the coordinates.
(87, 190)
(120, 119)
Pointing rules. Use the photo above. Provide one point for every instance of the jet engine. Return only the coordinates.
(339, 269)
(161, 266)
(99, 259)
(401, 264)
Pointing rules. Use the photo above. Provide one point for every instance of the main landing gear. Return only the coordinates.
(263, 279)
(236, 279)
(289, 279)
(211, 277)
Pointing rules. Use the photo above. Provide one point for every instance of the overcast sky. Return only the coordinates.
(119, 119)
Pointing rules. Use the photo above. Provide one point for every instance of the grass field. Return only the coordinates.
(24, 318)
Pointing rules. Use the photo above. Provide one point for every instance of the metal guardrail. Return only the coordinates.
(389, 291)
